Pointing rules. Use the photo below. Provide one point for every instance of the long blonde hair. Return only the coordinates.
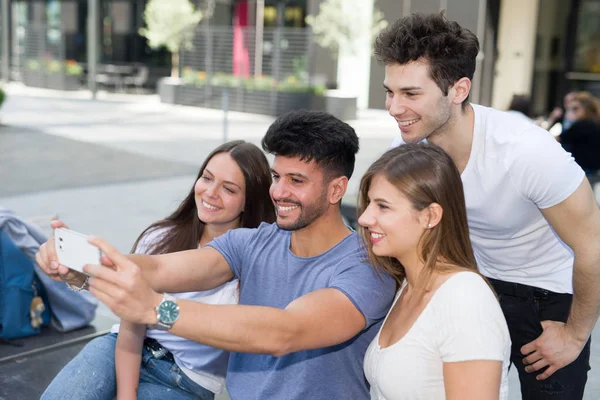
(424, 174)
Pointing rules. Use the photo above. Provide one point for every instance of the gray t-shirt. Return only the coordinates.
(271, 275)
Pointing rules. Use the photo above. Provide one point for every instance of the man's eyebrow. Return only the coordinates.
(291, 174)
(297, 175)
(404, 89)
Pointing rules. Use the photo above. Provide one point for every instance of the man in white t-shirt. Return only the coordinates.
(533, 219)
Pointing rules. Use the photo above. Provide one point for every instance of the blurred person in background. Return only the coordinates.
(520, 105)
(557, 122)
(582, 138)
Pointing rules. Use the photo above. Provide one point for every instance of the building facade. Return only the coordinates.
(538, 48)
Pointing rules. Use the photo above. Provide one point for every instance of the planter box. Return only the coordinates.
(259, 101)
(60, 81)
(264, 102)
(51, 80)
(288, 101)
(167, 89)
(190, 95)
(340, 105)
(34, 78)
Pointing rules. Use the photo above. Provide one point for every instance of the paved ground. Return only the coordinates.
(112, 166)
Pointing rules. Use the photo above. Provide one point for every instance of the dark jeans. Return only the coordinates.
(524, 308)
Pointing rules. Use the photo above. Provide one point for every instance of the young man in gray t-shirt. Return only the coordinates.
(309, 304)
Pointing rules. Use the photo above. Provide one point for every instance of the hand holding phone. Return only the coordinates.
(73, 249)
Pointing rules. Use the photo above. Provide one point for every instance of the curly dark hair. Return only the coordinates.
(314, 135)
(449, 49)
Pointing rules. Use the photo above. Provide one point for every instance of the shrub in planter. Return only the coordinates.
(53, 74)
(261, 95)
(63, 75)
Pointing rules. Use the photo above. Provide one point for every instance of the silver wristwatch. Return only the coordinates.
(167, 312)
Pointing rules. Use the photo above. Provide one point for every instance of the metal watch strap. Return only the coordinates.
(84, 286)
(160, 325)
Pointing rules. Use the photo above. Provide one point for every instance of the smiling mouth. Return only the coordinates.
(377, 235)
(287, 208)
(209, 206)
(408, 123)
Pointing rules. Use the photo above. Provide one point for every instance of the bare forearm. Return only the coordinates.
(248, 329)
(186, 271)
(585, 308)
(128, 356)
(149, 266)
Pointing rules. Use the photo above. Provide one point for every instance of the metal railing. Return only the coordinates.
(285, 52)
(38, 59)
(223, 62)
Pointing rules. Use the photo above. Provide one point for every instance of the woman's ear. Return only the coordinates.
(433, 215)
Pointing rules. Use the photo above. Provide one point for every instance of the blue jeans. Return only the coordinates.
(524, 308)
(91, 375)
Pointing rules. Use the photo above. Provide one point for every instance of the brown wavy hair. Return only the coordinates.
(589, 103)
(184, 228)
(424, 174)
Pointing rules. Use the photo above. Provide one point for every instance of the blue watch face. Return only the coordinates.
(169, 312)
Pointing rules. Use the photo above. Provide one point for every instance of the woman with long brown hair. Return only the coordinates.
(445, 335)
(231, 191)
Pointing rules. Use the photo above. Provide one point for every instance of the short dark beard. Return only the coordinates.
(314, 210)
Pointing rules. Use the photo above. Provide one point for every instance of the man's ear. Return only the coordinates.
(461, 89)
(337, 189)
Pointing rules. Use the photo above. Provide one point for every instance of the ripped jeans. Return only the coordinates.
(524, 308)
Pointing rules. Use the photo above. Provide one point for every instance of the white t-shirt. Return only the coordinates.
(205, 365)
(516, 169)
(462, 322)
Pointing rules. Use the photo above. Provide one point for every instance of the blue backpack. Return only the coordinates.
(24, 306)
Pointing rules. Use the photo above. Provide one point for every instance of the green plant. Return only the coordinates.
(261, 83)
(69, 67)
(54, 66)
(300, 66)
(2, 96)
(73, 68)
(335, 28)
(33, 65)
(193, 77)
(170, 24)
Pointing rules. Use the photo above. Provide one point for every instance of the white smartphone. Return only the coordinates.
(74, 250)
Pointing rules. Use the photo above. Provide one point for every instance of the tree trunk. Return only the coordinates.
(175, 64)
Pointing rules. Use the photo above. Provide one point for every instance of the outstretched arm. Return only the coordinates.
(185, 271)
(322, 318)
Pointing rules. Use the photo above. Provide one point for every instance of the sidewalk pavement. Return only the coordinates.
(112, 166)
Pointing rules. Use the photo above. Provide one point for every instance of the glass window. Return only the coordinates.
(587, 53)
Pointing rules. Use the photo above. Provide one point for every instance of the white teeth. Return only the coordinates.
(282, 208)
(376, 235)
(407, 123)
(210, 207)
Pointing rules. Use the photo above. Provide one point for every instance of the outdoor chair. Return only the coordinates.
(139, 79)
